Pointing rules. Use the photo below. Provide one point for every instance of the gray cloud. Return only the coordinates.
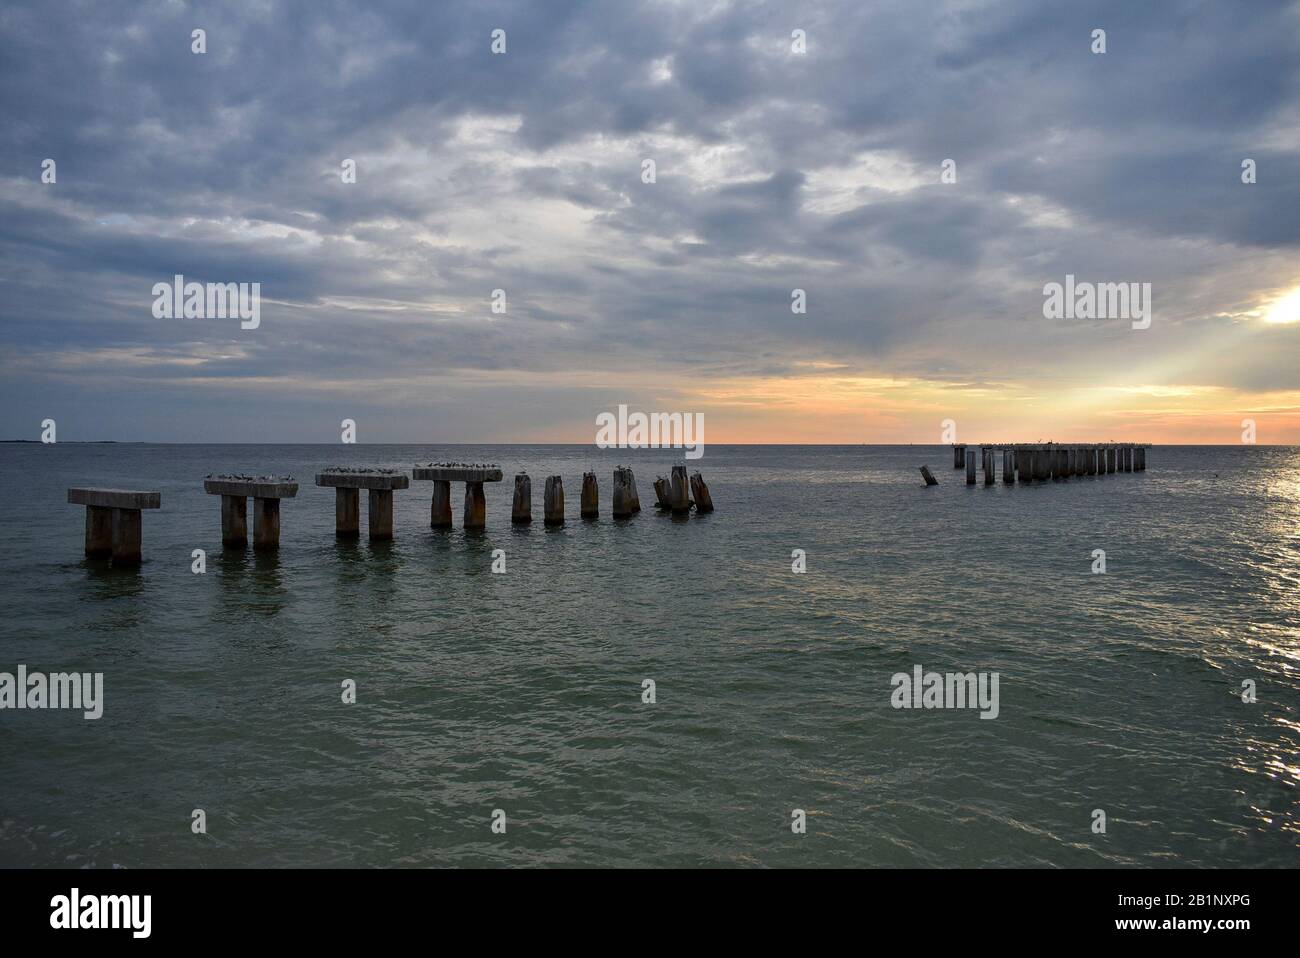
(522, 172)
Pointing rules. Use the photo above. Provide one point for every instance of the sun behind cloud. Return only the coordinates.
(1286, 309)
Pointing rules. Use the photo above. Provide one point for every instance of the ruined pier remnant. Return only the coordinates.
(443, 474)
(113, 521)
(679, 499)
(624, 493)
(989, 467)
(958, 456)
(235, 489)
(626, 501)
(1008, 466)
(589, 500)
(521, 510)
(700, 491)
(347, 483)
(970, 467)
(553, 501)
(661, 494)
(929, 476)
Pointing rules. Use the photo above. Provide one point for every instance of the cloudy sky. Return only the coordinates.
(775, 170)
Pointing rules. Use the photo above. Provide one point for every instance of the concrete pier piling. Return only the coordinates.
(679, 497)
(624, 493)
(521, 510)
(970, 467)
(700, 492)
(928, 476)
(113, 526)
(1008, 467)
(475, 515)
(443, 474)
(235, 489)
(234, 521)
(589, 500)
(266, 525)
(379, 483)
(347, 513)
(440, 505)
(990, 470)
(661, 493)
(554, 501)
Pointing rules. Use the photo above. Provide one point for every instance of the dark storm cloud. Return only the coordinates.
(523, 172)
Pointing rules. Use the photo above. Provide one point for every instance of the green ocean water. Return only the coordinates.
(523, 691)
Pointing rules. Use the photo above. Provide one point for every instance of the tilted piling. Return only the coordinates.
(929, 476)
(661, 493)
(703, 501)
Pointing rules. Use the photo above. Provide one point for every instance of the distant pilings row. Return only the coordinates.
(1039, 462)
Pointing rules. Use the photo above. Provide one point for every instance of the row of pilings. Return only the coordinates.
(1039, 462)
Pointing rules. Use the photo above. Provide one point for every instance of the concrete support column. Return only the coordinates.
(234, 521)
(958, 456)
(990, 467)
(1127, 454)
(379, 516)
(589, 500)
(554, 501)
(521, 511)
(126, 537)
(347, 512)
(1008, 467)
(99, 532)
(475, 506)
(266, 525)
(1141, 459)
(970, 467)
(440, 511)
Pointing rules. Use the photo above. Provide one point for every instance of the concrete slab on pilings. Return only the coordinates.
(368, 478)
(458, 472)
(113, 521)
(251, 487)
(115, 498)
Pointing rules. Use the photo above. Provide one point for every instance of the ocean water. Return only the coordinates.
(523, 691)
